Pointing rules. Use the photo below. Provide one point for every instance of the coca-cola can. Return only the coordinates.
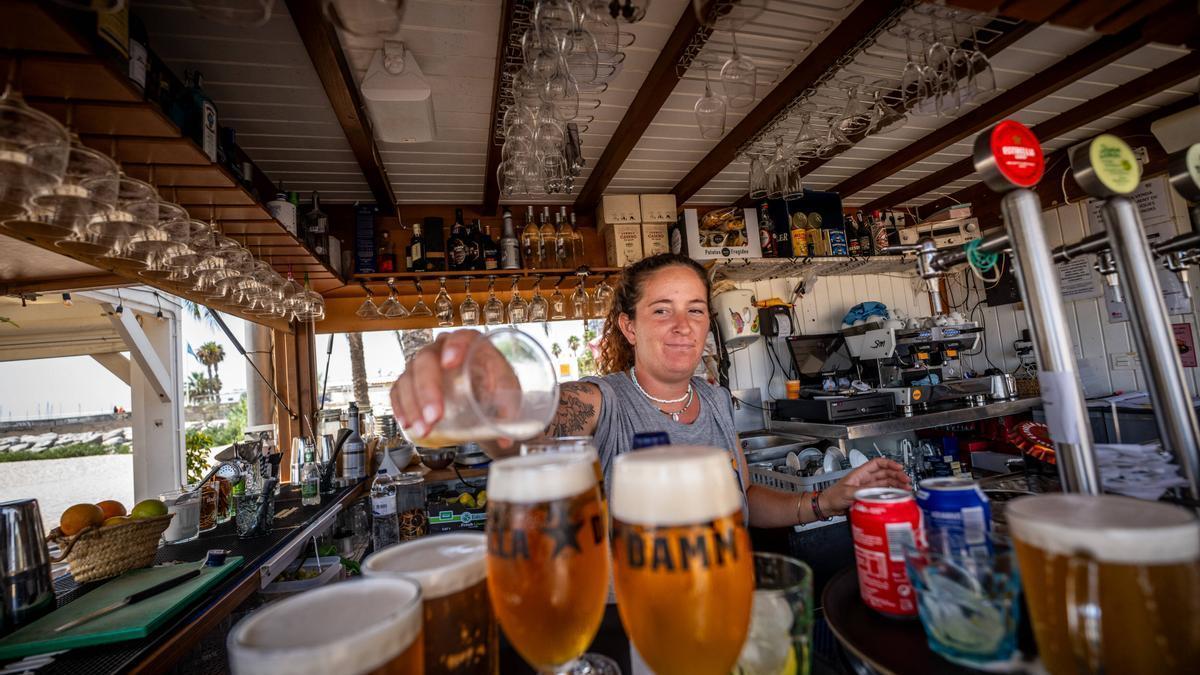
(883, 521)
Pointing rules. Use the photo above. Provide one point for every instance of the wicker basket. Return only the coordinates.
(97, 553)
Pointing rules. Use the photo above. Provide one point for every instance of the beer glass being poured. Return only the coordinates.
(504, 388)
(547, 562)
(682, 563)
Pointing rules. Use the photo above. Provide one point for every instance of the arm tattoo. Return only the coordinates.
(576, 413)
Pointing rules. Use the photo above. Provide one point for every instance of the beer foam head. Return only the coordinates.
(347, 627)
(540, 478)
(443, 564)
(1113, 529)
(674, 485)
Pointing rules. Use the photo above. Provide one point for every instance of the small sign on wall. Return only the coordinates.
(1185, 344)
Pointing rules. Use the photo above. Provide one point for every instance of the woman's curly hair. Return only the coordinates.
(616, 354)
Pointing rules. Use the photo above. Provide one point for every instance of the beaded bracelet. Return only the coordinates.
(816, 506)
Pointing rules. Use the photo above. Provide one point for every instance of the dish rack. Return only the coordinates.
(777, 480)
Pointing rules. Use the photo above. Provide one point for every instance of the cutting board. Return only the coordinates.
(127, 623)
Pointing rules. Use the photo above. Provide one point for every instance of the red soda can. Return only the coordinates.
(882, 522)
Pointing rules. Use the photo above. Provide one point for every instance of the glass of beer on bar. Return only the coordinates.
(1112, 583)
(365, 626)
(547, 563)
(504, 388)
(682, 563)
(459, 626)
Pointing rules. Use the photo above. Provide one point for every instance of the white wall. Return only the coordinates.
(1096, 339)
(819, 311)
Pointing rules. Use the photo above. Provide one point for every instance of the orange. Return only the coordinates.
(111, 508)
(115, 520)
(79, 516)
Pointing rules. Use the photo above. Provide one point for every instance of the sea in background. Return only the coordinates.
(59, 483)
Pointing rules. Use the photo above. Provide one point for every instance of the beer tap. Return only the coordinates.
(928, 267)
(1177, 262)
(1107, 267)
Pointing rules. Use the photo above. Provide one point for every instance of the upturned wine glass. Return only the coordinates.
(493, 309)
(468, 311)
(711, 112)
(739, 77)
(539, 308)
(558, 304)
(443, 307)
(518, 308)
(420, 308)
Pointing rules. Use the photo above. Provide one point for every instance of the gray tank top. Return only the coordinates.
(624, 411)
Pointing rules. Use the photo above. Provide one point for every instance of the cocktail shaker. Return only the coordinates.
(26, 589)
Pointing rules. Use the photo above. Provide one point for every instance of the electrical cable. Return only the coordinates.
(238, 345)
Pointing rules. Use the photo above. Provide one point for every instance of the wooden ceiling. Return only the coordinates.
(1051, 59)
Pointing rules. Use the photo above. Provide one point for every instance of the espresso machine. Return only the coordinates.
(919, 361)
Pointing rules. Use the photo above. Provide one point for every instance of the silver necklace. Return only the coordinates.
(665, 401)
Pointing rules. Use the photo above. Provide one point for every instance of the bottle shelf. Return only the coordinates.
(764, 269)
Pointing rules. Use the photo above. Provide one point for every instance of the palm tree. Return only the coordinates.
(573, 343)
(358, 370)
(211, 354)
(555, 349)
(196, 387)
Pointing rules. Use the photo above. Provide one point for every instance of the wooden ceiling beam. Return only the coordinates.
(1180, 70)
(660, 82)
(491, 188)
(841, 39)
(1087, 60)
(325, 51)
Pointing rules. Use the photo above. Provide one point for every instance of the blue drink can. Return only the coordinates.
(959, 510)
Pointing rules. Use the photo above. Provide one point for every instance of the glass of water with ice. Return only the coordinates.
(968, 601)
(781, 618)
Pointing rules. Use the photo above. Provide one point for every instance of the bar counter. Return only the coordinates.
(184, 631)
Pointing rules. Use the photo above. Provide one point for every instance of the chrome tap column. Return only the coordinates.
(1009, 159)
(1106, 167)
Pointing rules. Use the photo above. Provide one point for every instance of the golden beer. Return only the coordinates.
(1112, 583)
(682, 562)
(360, 627)
(547, 562)
(460, 632)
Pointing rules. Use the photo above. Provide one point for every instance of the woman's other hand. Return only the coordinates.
(879, 472)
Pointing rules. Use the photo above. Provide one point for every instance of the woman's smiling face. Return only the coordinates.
(670, 323)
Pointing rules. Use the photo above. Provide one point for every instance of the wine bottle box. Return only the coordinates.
(654, 239)
(623, 244)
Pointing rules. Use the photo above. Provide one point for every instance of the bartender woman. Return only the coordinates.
(653, 340)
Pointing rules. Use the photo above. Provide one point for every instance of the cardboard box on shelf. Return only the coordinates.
(654, 239)
(623, 244)
(658, 208)
(618, 210)
(722, 233)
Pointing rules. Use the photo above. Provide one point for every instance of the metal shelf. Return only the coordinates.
(764, 269)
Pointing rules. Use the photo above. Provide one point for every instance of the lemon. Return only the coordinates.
(466, 500)
(792, 665)
(481, 500)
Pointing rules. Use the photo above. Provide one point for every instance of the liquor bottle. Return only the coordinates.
(387, 253)
(456, 245)
(562, 240)
(490, 249)
(766, 232)
(385, 522)
(310, 478)
(576, 243)
(865, 238)
(510, 246)
(112, 31)
(474, 246)
(354, 450)
(316, 229)
(414, 256)
(531, 242)
(547, 234)
(852, 241)
(201, 118)
(139, 50)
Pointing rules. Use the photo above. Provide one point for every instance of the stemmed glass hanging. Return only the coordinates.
(914, 84)
(468, 311)
(443, 308)
(518, 309)
(420, 308)
(603, 298)
(758, 177)
(493, 309)
(580, 302)
(558, 303)
(835, 140)
(805, 145)
(34, 151)
(739, 77)
(982, 78)
(852, 120)
(885, 113)
(711, 112)
(368, 309)
(392, 308)
(539, 308)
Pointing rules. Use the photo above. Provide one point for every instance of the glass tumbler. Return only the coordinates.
(781, 618)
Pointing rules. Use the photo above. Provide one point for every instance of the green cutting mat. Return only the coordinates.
(127, 623)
